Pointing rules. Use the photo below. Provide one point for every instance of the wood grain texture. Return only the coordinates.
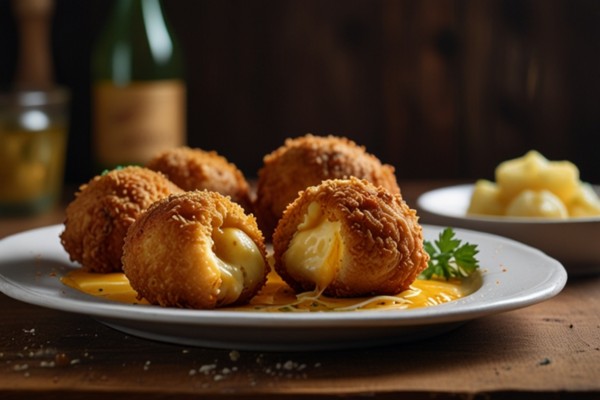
(261, 72)
(439, 89)
(514, 95)
(420, 69)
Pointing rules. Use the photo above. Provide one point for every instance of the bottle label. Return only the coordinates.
(134, 122)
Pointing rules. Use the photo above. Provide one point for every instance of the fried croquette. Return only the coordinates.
(195, 169)
(195, 250)
(350, 239)
(97, 220)
(307, 161)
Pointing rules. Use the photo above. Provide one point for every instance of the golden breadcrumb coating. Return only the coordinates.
(307, 161)
(195, 169)
(97, 220)
(169, 251)
(382, 241)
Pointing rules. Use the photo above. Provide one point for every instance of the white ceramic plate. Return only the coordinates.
(513, 276)
(574, 242)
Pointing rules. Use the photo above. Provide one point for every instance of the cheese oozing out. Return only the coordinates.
(315, 251)
(239, 261)
(276, 296)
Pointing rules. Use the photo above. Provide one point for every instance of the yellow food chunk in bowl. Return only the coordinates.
(534, 172)
(486, 199)
(531, 203)
(585, 202)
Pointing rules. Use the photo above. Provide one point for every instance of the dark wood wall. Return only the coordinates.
(437, 88)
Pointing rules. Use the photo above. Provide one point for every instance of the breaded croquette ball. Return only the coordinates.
(195, 250)
(195, 169)
(307, 161)
(97, 220)
(350, 239)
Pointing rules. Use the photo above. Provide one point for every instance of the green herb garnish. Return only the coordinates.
(449, 259)
(106, 171)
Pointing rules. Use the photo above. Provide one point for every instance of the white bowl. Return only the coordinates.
(574, 242)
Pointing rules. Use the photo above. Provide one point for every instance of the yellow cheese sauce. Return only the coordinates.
(114, 286)
(277, 296)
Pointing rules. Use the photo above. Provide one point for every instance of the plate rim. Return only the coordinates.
(444, 313)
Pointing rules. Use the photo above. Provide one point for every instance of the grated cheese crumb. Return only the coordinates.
(234, 355)
(207, 368)
(47, 364)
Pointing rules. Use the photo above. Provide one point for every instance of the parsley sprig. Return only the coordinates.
(449, 259)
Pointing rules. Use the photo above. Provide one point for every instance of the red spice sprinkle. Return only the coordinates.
(504, 270)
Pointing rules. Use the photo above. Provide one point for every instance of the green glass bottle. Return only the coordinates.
(139, 92)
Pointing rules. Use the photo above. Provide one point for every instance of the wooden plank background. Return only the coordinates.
(437, 88)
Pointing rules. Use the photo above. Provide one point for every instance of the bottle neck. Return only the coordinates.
(159, 38)
(137, 45)
(123, 12)
(147, 12)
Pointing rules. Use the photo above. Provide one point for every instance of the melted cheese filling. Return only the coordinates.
(239, 260)
(315, 251)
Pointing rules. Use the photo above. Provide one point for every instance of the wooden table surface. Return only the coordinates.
(552, 348)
